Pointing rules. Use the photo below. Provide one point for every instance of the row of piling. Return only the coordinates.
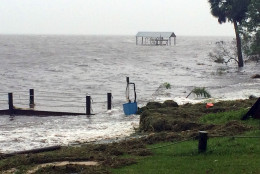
(32, 102)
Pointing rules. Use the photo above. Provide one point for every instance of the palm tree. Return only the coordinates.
(233, 11)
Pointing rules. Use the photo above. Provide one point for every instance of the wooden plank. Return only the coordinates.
(26, 112)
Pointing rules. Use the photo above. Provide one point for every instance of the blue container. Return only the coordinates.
(130, 108)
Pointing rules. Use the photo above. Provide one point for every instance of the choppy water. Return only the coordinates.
(64, 69)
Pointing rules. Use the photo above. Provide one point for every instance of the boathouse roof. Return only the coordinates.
(156, 34)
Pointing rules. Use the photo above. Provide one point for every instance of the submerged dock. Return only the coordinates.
(28, 112)
(14, 111)
(155, 38)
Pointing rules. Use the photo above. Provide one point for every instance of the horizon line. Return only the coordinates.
(73, 34)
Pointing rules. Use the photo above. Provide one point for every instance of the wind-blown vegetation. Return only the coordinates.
(250, 29)
(245, 15)
(200, 92)
(235, 12)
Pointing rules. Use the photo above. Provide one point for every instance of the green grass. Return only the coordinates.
(223, 117)
(224, 155)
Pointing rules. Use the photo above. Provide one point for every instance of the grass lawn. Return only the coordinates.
(224, 155)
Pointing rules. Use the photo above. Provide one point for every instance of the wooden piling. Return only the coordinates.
(31, 103)
(88, 105)
(203, 137)
(11, 105)
(109, 101)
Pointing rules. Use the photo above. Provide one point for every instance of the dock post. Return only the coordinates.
(31, 104)
(109, 101)
(203, 137)
(88, 105)
(11, 105)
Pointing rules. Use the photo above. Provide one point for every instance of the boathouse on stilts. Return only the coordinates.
(155, 38)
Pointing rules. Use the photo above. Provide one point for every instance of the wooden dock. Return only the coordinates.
(29, 112)
(13, 111)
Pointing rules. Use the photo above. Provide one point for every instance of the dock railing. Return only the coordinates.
(44, 99)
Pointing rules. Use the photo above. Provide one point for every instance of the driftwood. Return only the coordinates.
(255, 76)
(38, 150)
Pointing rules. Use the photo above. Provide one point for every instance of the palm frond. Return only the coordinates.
(200, 92)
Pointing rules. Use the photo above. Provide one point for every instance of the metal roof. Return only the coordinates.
(156, 34)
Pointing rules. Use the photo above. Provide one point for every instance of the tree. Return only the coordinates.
(250, 28)
(233, 11)
(224, 52)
